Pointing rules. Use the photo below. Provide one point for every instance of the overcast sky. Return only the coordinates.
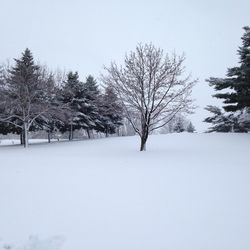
(84, 35)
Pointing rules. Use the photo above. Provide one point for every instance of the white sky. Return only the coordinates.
(85, 35)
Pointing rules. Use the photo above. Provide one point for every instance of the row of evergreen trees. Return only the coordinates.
(234, 90)
(32, 98)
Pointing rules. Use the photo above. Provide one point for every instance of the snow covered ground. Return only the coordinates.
(188, 191)
(6, 142)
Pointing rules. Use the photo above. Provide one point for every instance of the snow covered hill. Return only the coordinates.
(187, 192)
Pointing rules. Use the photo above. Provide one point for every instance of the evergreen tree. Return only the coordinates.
(71, 97)
(4, 127)
(53, 120)
(24, 93)
(238, 79)
(237, 82)
(223, 122)
(111, 111)
(244, 118)
(190, 128)
(93, 104)
(179, 126)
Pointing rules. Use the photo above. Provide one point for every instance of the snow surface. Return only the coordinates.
(5, 142)
(188, 191)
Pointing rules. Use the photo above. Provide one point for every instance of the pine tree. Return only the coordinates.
(223, 122)
(238, 79)
(71, 96)
(111, 111)
(5, 128)
(24, 95)
(53, 120)
(237, 82)
(244, 118)
(190, 128)
(93, 104)
(179, 126)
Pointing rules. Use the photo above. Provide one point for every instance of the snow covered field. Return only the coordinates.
(188, 191)
(6, 142)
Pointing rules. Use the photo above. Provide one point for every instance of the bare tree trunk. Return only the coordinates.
(71, 132)
(88, 133)
(23, 134)
(144, 139)
(232, 128)
(143, 144)
(26, 134)
(49, 138)
(21, 138)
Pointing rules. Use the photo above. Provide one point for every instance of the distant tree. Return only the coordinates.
(190, 128)
(179, 123)
(169, 127)
(237, 83)
(179, 126)
(126, 129)
(150, 88)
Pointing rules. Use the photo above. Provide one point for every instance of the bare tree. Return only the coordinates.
(151, 87)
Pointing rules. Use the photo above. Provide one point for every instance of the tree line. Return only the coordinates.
(148, 90)
(32, 98)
